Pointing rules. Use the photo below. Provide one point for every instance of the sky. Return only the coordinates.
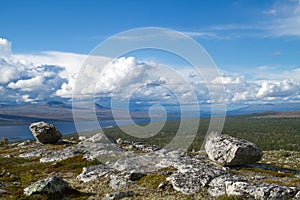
(255, 44)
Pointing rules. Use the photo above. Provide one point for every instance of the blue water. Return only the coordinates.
(18, 133)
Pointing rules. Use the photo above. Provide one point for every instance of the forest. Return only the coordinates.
(268, 133)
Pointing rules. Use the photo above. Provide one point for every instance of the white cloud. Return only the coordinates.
(5, 47)
(44, 75)
(205, 35)
(70, 61)
(122, 73)
(270, 12)
(28, 85)
(279, 89)
(10, 70)
(48, 75)
(23, 81)
(226, 80)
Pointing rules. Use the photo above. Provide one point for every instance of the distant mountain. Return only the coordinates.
(56, 111)
(56, 104)
(272, 114)
(258, 108)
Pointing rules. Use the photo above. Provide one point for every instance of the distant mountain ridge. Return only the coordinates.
(56, 111)
(259, 108)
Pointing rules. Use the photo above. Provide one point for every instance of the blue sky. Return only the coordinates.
(256, 44)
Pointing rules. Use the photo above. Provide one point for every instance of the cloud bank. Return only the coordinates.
(52, 76)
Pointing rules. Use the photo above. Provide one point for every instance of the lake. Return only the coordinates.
(18, 133)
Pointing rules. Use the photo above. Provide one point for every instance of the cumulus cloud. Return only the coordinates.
(122, 73)
(33, 83)
(23, 81)
(52, 75)
(10, 70)
(28, 84)
(285, 88)
(5, 47)
(226, 80)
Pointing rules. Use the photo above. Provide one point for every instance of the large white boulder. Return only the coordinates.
(230, 151)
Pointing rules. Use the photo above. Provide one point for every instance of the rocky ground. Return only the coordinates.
(96, 168)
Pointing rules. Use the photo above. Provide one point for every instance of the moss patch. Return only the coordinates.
(17, 173)
(151, 180)
(230, 197)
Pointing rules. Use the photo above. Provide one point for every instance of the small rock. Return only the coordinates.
(48, 186)
(99, 137)
(258, 177)
(24, 143)
(236, 188)
(230, 151)
(3, 192)
(119, 141)
(118, 195)
(4, 171)
(129, 147)
(297, 196)
(162, 185)
(81, 138)
(45, 133)
(119, 182)
(127, 164)
(134, 176)
(93, 172)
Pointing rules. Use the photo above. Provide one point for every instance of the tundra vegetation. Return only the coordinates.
(278, 137)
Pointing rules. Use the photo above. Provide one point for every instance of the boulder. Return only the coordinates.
(260, 191)
(45, 133)
(47, 186)
(230, 151)
(192, 175)
(35, 153)
(217, 186)
(56, 156)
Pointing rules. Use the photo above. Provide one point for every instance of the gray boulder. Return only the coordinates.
(217, 186)
(47, 186)
(192, 175)
(230, 151)
(260, 191)
(45, 133)
(35, 153)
